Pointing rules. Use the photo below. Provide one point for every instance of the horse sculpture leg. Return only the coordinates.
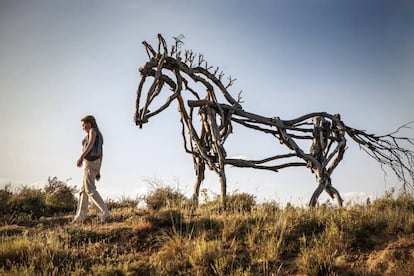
(317, 193)
(333, 193)
(325, 184)
(221, 172)
(200, 168)
(222, 179)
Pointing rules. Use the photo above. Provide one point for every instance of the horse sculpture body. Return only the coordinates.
(325, 132)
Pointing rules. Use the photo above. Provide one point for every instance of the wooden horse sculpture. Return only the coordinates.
(207, 119)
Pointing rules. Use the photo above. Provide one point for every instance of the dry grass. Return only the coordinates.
(249, 239)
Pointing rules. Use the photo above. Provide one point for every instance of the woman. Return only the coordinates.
(91, 158)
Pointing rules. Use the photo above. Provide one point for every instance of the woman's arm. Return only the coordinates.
(91, 142)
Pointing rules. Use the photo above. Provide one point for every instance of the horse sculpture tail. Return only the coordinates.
(389, 150)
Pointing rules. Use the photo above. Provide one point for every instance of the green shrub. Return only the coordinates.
(29, 201)
(164, 196)
(59, 196)
(124, 202)
(236, 202)
(403, 202)
(241, 202)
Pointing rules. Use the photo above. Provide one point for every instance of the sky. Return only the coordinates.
(62, 60)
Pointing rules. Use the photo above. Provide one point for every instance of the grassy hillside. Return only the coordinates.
(166, 239)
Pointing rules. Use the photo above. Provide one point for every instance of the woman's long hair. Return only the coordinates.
(90, 119)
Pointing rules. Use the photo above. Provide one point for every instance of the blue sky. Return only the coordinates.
(61, 60)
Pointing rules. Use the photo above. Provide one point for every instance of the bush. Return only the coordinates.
(5, 195)
(235, 202)
(164, 196)
(59, 196)
(124, 202)
(390, 201)
(29, 201)
(241, 202)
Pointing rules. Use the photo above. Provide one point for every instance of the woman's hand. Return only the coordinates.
(79, 163)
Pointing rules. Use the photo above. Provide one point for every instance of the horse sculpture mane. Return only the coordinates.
(325, 132)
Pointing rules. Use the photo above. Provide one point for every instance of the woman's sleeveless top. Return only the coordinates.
(96, 151)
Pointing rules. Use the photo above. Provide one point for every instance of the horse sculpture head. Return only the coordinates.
(177, 72)
(158, 71)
